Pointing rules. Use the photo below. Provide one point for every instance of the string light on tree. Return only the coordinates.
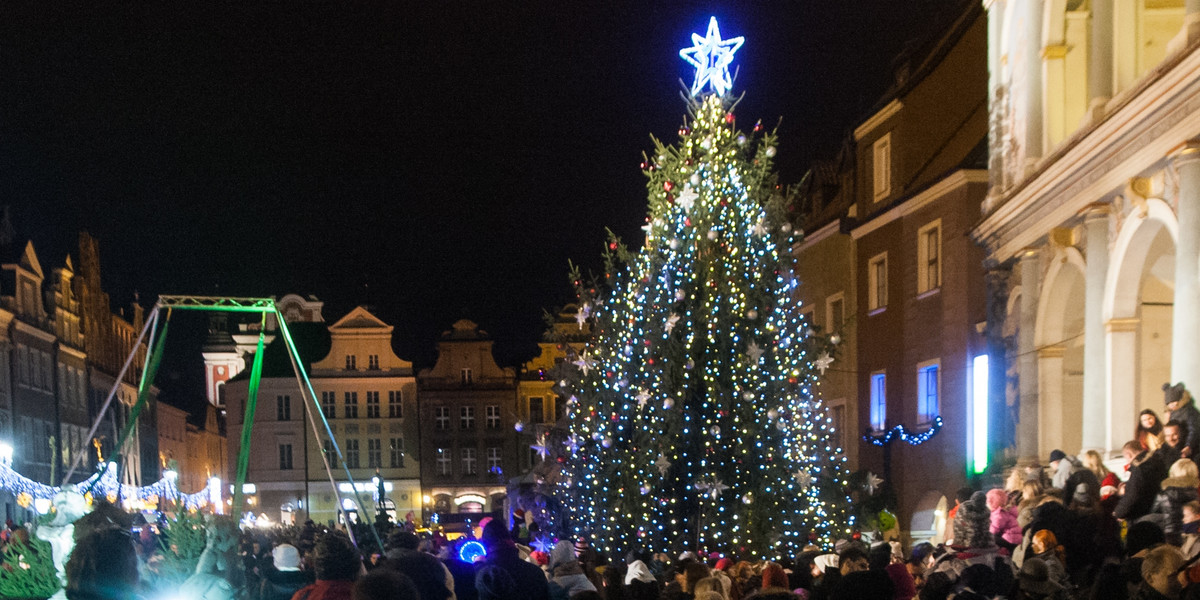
(740, 453)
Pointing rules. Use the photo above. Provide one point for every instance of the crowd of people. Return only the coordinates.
(1073, 530)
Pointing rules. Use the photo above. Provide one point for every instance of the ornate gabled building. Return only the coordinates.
(468, 408)
(1092, 220)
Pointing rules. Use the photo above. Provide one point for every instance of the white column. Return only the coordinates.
(1027, 360)
(1050, 377)
(1095, 383)
(1185, 354)
(1123, 393)
(1100, 56)
(1033, 80)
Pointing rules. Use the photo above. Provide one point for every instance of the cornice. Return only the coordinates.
(877, 119)
(940, 188)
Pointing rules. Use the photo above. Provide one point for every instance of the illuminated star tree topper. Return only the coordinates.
(712, 56)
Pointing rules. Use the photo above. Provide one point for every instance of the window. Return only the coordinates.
(837, 420)
(879, 401)
(536, 414)
(395, 404)
(351, 405)
(374, 453)
(329, 404)
(927, 391)
(835, 312)
(467, 378)
(468, 461)
(330, 453)
(493, 459)
(443, 461)
(442, 417)
(493, 416)
(352, 454)
(929, 263)
(372, 405)
(285, 457)
(283, 408)
(877, 282)
(467, 417)
(373, 361)
(396, 445)
(351, 362)
(882, 161)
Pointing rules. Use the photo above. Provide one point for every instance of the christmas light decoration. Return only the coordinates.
(471, 551)
(105, 484)
(710, 326)
(712, 56)
(904, 434)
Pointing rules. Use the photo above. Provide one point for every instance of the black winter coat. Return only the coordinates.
(1147, 471)
(1188, 414)
(282, 585)
(1176, 491)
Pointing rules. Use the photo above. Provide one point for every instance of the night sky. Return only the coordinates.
(432, 161)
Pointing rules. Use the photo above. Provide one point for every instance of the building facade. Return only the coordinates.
(468, 408)
(1093, 214)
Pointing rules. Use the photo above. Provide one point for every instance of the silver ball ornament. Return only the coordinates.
(747, 498)
(786, 227)
(669, 403)
(606, 442)
(695, 179)
(752, 314)
(674, 243)
(773, 414)
(835, 339)
(520, 426)
(715, 430)
(712, 234)
(644, 489)
(770, 151)
(680, 295)
(741, 140)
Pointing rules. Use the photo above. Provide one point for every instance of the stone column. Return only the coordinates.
(1100, 57)
(1185, 355)
(1027, 360)
(1050, 401)
(1122, 391)
(1032, 80)
(1095, 382)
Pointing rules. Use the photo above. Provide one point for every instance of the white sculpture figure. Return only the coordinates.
(218, 573)
(69, 506)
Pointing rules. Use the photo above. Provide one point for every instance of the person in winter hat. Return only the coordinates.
(432, 578)
(285, 578)
(1079, 485)
(565, 571)
(972, 523)
(1179, 488)
(1004, 519)
(1180, 407)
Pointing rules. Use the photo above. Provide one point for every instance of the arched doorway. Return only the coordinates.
(1059, 341)
(1141, 294)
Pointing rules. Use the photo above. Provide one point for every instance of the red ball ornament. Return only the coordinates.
(687, 221)
(667, 185)
(650, 360)
(671, 200)
(729, 118)
(724, 202)
(612, 245)
(687, 162)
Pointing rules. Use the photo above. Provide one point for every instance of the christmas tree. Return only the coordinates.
(695, 419)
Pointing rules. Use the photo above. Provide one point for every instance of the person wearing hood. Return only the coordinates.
(566, 572)
(1178, 489)
(285, 578)
(432, 578)
(502, 552)
(640, 582)
(1078, 484)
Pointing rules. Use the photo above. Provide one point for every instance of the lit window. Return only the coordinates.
(929, 263)
(877, 289)
(879, 401)
(882, 161)
(927, 392)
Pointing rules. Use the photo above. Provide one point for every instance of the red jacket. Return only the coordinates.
(325, 590)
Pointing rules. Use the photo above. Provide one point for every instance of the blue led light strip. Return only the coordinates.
(915, 439)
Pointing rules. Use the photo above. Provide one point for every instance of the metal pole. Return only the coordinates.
(113, 392)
